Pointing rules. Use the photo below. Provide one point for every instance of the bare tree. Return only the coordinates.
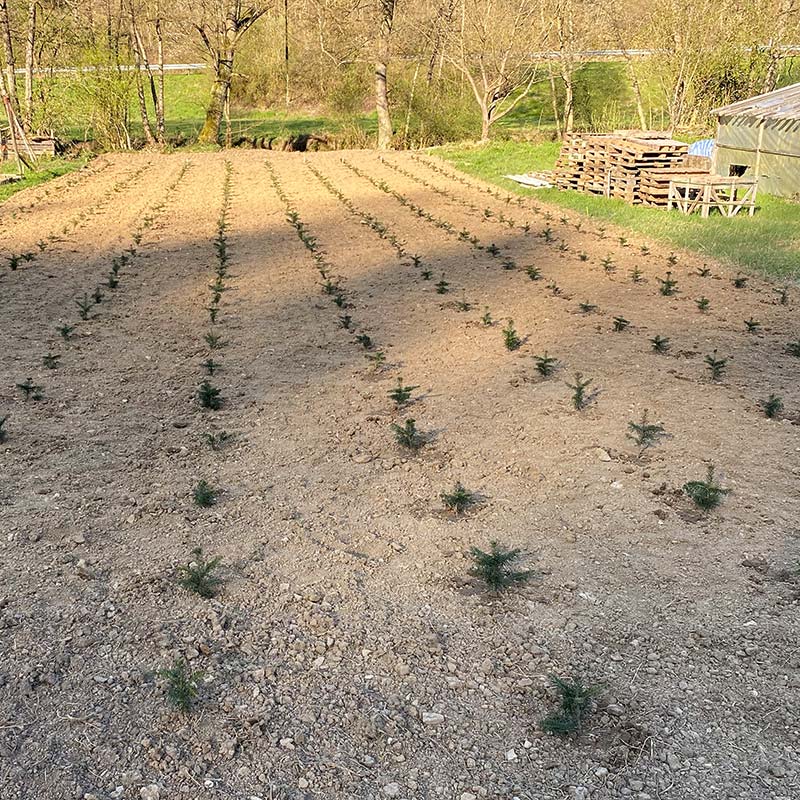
(8, 48)
(221, 24)
(492, 47)
(386, 20)
(152, 13)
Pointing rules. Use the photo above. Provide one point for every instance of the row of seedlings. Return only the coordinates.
(88, 302)
(378, 227)
(15, 260)
(200, 575)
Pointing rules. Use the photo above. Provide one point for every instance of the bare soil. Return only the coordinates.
(349, 654)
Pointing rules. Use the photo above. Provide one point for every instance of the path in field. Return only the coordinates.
(347, 611)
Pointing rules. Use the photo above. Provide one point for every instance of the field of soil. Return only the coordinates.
(349, 654)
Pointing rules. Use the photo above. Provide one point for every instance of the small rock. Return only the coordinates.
(150, 792)
(391, 789)
(432, 718)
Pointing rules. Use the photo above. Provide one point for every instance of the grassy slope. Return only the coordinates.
(45, 172)
(769, 242)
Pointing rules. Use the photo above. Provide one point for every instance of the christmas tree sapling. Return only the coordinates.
(496, 568)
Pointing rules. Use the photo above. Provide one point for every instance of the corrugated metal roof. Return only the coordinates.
(780, 104)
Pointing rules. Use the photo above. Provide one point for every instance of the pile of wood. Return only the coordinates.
(635, 166)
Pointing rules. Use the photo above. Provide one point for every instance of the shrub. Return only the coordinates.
(209, 396)
(576, 701)
(401, 394)
(496, 567)
(636, 275)
(579, 397)
(668, 285)
(772, 406)
(644, 433)
(608, 265)
(510, 337)
(65, 331)
(407, 435)
(707, 494)
(661, 344)
(198, 575)
(85, 305)
(702, 303)
(716, 366)
(181, 685)
(545, 365)
(210, 366)
(534, 273)
(30, 390)
(620, 323)
(459, 500)
(204, 494)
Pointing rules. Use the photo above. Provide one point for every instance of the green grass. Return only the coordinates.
(766, 243)
(47, 170)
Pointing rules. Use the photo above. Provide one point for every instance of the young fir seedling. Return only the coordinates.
(214, 340)
(547, 234)
(112, 281)
(583, 256)
(644, 250)
(644, 433)
(486, 319)
(672, 259)
(702, 303)
(416, 260)
(509, 263)
(608, 265)
(3, 432)
(493, 249)
(346, 321)
(426, 274)
(716, 366)
(587, 308)
(378, 359)
(51, 360)
(30, 390)
(213, 311)
(511, 339)
(704, 271)
(668, 285)
(783, 295)
(753, 326)
(740, 281)
(620, 323)
(623, 241)
(407, 435)
(772, 406)
(97, 295)
(339, 300)
(217, 440)
(580, 399)
(496, 567)
(660, 344)
(401, 394)
(793, 348)
(463, 304)
(442, 287)
(636, 275)
(204, 494)
(198, 575)
(459, 500)
(546, 365)
(14, 262)
(707, 494)
(85, 305)
(576, 702)
(65, 331)
(209, 396)
(365, 341)
(534, 273)
(181, 685)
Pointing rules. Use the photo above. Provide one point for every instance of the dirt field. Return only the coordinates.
(349, 654)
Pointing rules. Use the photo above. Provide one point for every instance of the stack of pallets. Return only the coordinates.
(614, 165)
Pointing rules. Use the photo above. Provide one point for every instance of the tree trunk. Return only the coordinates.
(159, 94)
(11, 78)
(223, 75)
(554, 98)
(485, 124)
(569, 101)
(30, 59)
(381, 82)
(140, 64)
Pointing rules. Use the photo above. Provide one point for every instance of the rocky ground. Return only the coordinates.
(349, 654)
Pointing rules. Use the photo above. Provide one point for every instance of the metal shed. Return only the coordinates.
(760, 138)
